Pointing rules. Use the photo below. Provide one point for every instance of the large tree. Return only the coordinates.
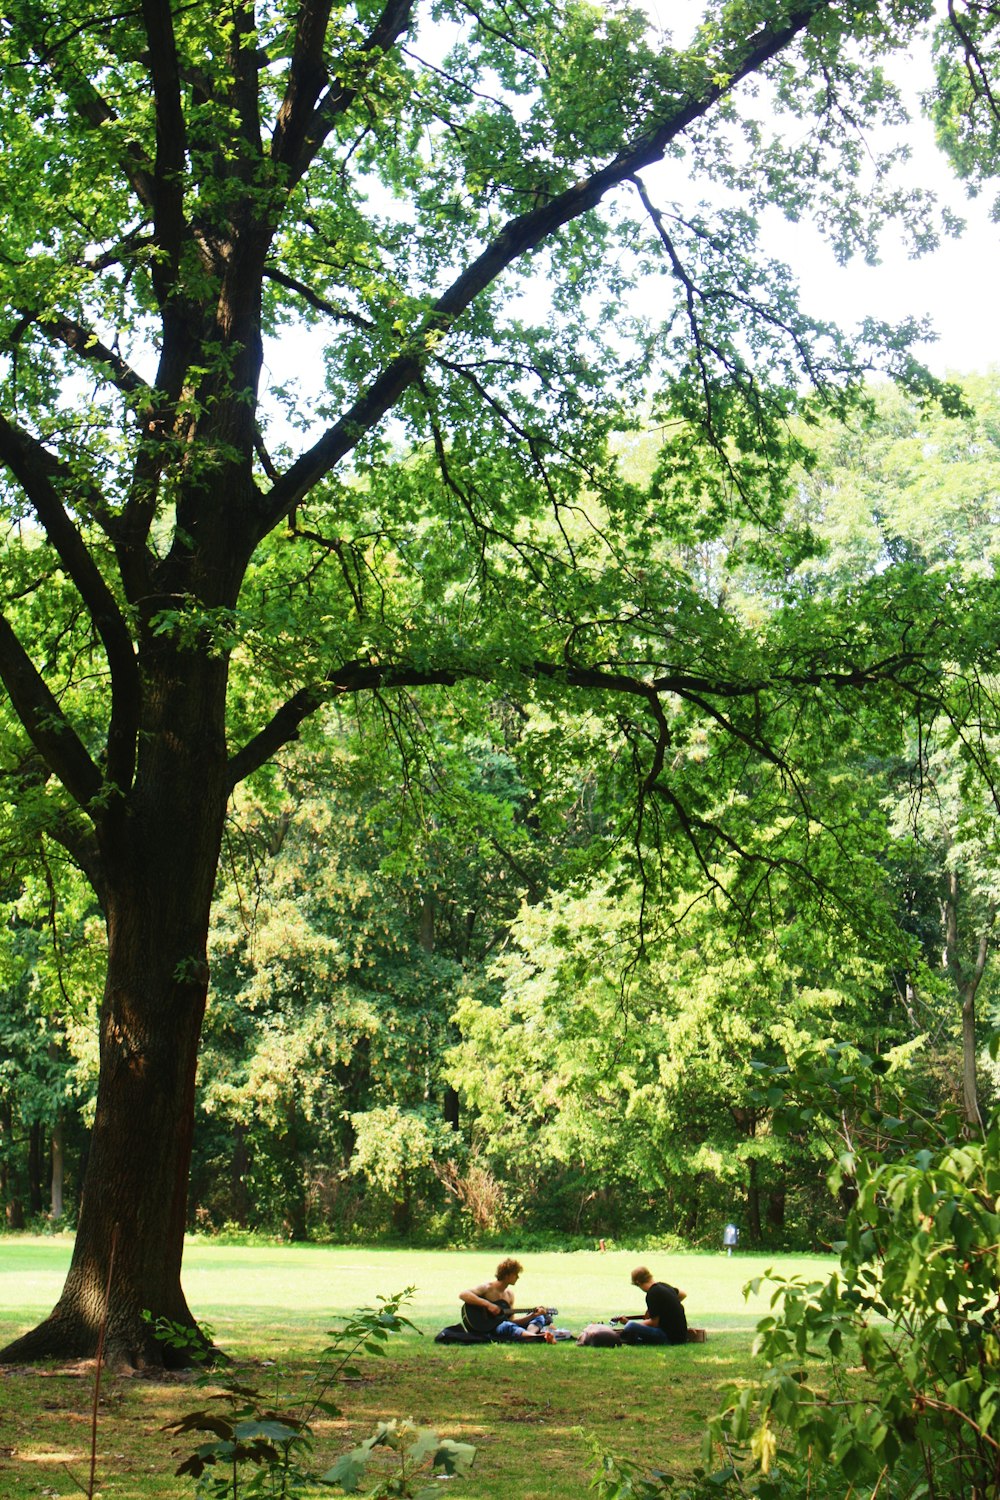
(181, 183)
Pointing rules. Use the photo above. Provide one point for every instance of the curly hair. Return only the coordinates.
(508, 1268)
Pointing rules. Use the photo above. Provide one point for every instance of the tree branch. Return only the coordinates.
(975, 66)
(45, 723)
(307, 77)
(356, 677)
(329, 309)
(85, 98)
(518, 237)
(302, 124)
(85, 343)
(246, 76)
(71, 832)
(171, 136)
(40, 475)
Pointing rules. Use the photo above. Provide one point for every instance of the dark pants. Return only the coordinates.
(643, 1333)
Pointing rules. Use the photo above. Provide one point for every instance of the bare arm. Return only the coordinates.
(477, 1297)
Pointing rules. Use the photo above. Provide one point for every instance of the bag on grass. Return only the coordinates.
(599, 1336)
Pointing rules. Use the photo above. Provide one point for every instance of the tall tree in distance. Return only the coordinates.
(180, 183)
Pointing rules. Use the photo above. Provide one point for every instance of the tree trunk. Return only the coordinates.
(967, 983)
(9, 1191)
(136, 1182)
(57, 1205)
(451, 1104)
(36, 1158)
(753, 1204)
(970, 1092)
(239, 1169)
(159, 861)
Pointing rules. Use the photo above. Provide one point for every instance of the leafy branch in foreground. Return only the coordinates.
(414, 1447)
(883, 1379)
(892, 1365)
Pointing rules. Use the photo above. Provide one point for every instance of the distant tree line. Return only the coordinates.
(459, 989)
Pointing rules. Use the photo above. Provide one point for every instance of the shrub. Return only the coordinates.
(887, 1374)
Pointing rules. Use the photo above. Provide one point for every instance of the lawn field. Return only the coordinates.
(533, 1413)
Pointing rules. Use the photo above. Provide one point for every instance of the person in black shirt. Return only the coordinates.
(665, 1321)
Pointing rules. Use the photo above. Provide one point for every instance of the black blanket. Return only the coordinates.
(457, 1333)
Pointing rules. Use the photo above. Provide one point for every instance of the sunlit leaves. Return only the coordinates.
(915, 1296)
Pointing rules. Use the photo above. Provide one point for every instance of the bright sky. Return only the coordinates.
(955, 286)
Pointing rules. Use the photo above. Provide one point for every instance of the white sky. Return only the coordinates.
(956, 286)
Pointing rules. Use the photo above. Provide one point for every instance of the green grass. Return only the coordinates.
(532, 1412)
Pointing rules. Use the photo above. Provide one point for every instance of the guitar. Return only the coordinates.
(694, 1335)
(480, 1320)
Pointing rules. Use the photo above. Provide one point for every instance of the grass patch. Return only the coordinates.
(532, 1412)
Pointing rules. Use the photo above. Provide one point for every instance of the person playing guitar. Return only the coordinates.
(490, 1308)
(663, 1322)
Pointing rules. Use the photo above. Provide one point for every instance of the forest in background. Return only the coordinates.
(459, 990)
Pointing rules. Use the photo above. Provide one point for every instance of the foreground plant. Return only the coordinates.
(259, 1446)
(414, 1448)
(886, 1377)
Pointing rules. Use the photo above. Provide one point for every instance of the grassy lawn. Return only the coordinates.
(532, 1412)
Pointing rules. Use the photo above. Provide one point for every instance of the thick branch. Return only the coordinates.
(353, 678)
(44, 721)
(519, 236)
(168, 172)
(307, 78)
(356, 677)
(975, 65)
(80, 844)
(246, 69)
(321, 304)
(302, 125)
(98, 113)
(73, 833)
(85, 343)
(39, 473)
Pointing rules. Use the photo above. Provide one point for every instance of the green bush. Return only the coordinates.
(887, 1375)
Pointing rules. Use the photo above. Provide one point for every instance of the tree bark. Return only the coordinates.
(239, 1169)
(753, 1203)
(159, 862)
(36, 1158)
(58, 1170)
(966, 981)
(137, 1178)
(13, 1205)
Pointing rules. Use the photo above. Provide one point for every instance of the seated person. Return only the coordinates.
(489, 1308)
(664, 1321)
